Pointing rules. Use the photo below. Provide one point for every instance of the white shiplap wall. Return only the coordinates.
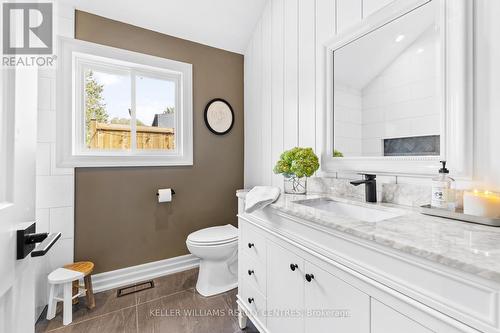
(284, 80)
(285, 75)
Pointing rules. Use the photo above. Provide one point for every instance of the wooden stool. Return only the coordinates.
(85, 267)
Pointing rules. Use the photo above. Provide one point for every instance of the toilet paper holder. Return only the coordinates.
(158, 194)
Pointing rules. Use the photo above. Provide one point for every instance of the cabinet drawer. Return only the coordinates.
(285, 293)
(253, 273)
(254, 301)
(335, 305)
(252, 243)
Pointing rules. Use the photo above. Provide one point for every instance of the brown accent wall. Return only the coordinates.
(118, 222)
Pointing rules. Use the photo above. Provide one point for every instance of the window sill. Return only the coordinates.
(123, 161)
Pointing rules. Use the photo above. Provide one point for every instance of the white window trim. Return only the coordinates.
(73, 54)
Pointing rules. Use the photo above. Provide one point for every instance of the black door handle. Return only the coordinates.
(293, 267)
(250, 245)
(309, 277)
(45, 246)
(250, 271)
(250, 300)
(27, 238)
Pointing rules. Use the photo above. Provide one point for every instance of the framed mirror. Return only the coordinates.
(399, 91)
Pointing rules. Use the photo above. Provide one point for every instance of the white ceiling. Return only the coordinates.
(225, 24)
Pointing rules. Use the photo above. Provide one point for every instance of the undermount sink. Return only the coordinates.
(357, 212)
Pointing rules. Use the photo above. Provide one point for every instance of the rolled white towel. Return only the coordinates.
(261, 196)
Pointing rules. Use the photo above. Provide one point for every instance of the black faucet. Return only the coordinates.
(370, 187)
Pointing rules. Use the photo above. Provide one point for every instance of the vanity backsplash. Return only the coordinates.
(400, 194)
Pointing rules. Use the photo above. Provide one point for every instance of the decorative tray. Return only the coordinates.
(459, 215)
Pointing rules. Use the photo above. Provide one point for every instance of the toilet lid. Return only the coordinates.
(214, 234)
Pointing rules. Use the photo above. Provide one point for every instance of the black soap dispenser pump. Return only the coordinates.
(441, 189)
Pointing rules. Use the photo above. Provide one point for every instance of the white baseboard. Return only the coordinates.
(151, 270)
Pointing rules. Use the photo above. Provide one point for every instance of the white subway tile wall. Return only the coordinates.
(348, 121)
(55, 191)
(43, 159)
(62, 220)
(45, 94)
(402, 100)
(42, 220)
(46, 125)
(59, 256)
(54, 186)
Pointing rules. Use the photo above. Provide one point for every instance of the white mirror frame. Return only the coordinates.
(457, 101)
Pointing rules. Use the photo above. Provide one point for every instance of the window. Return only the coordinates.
(127, 108)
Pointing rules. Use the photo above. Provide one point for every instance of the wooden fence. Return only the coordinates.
(117, 136)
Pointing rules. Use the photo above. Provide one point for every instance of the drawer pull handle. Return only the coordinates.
(309, 277)
(293, 267)
(250, 245)
(250, 271)
(250, 300)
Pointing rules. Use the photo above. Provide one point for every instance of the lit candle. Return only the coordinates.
(482, 203)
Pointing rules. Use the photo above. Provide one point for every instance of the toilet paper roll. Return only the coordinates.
(165, 195)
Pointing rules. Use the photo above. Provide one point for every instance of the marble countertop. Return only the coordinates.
(471, 248)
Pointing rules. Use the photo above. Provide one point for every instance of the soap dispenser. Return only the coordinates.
(441, 189)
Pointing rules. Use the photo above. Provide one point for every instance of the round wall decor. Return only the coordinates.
(219, 116)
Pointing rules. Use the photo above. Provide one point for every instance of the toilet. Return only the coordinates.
(217, 248)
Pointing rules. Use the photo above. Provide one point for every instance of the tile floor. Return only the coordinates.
(172, 306)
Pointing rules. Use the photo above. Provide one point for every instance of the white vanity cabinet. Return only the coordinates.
(300, 296)
(297, 276)
(387, 320)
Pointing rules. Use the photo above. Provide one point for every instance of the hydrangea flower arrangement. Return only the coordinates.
(295, 164)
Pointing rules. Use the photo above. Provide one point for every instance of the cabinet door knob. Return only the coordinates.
(250, 245)
(250, 300)
(309, 277)
(250, 271)
(293, 267)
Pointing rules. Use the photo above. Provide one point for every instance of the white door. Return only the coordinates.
(18, 106)
(333, 305)
(285, 290)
